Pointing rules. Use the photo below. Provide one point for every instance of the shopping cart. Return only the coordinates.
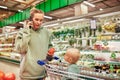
(57, 72)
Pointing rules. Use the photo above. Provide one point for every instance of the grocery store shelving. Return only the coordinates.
(6, 45)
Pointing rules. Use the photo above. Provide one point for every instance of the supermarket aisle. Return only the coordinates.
(10, 67)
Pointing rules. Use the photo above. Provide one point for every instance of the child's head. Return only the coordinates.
(72, 55)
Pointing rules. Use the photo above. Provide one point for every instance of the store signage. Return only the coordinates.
(93, 24)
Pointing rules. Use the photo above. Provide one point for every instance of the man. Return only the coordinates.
(33, 42)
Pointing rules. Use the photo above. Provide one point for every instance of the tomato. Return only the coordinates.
(51, 51)
(2, 75)
(10, 76)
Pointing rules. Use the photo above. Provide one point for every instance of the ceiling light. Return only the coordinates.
(3, 7)
(11, 27)
(73, 21)
(20, 11)
(100, 9)
(108, 14)
(21, 22)
(14, 32)
(51, 25)
(48, 17)
(87, 3)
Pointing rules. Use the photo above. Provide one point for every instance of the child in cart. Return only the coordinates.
(71, 57)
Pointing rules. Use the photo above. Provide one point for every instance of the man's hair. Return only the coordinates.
(33, 11)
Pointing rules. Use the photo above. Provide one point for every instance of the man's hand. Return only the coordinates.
(50, 54)
(51, 51)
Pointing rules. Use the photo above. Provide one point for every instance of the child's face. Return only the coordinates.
(71, 57)
(66, 57)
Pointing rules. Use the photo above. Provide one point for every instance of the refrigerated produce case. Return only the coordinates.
(99, 60)
(99, 48)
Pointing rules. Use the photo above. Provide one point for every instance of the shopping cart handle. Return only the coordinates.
(41, 62)
(56, 58)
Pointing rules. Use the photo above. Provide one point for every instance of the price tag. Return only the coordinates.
(93, 24)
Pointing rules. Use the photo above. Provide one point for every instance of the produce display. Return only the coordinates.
(6, 44)
(7, 54)
(6, 47)
(2, 75)
(110, 27)
(7, 76)
(99, 57)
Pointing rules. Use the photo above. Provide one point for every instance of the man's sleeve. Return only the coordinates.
(22, 41)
